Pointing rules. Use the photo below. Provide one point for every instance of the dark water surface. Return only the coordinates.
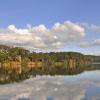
(84, 86)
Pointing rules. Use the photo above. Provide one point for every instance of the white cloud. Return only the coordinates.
(42, 38)
(90, 44)
(93, 27)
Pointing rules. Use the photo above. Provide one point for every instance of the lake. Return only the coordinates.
(84, 86)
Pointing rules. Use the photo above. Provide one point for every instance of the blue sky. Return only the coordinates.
(22, 12)
(19, 13)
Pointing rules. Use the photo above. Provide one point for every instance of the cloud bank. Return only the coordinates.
(42, 38)
(95, 42)
(90, 44)
(93, 27)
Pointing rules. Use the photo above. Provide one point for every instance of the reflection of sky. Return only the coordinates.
(93, 75)
(77, 87)
(92, 91)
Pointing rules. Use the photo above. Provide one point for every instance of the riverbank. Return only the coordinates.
(17, 63)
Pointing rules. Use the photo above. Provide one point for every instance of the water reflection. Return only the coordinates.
(24, 99)
(49, 98)
(92, 93)
(84, 86)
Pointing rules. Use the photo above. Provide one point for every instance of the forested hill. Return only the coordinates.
(10, 53)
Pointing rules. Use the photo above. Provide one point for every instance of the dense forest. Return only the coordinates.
(17, 63)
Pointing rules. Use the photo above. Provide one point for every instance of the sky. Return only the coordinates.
(51, 25)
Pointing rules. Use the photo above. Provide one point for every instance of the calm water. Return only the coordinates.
(84, 86)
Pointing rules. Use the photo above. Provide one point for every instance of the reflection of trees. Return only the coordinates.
(61, 70)
(8, 75)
